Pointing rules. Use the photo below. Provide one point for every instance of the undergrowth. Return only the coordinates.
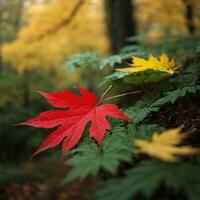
(166, 103)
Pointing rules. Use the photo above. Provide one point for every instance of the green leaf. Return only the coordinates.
(80, 60)
(113, 60)
(113, 77)
(117, 147)
(145, 131)
(184, 80)
(198, 49)
(147, 76)
(174, 95)
(136, 50)
(143, 108)
(88, 158)
(140, 110)
(146, 178)
(195, 68)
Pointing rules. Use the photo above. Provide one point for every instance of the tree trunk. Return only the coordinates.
(120, 22)
(189, 16)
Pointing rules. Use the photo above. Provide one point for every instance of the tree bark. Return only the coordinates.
(120, 22)
(189, 16)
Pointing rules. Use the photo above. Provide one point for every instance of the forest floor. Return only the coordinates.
(48, 187)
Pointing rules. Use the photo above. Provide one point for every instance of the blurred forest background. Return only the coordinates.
(37, 40)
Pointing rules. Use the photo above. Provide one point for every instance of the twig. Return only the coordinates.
(104, 94)
(120, 95)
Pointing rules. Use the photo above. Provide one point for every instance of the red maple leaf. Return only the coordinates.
(72, 121)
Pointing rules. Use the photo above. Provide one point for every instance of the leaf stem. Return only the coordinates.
(104, 94)
(121, 95)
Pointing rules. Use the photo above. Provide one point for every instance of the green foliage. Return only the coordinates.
(198, 49)
(175, 47)
(80, 60)
(174, 95)
(113, 77)
(88, 158)
(17, 144)
(113, 60)
(147, 176)
(143, 132)
(117, 148)
(144, 107)
(148, 76)
(118, 153)
(183, 80)
(137, 50)
(195, 68)
(130, 174)
(140, 110)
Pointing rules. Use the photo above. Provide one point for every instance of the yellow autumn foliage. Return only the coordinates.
(163, 18)
(164, 146)
(52, 34)
(161, 64)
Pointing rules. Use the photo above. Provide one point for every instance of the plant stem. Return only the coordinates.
(121, 95)
(104, 94)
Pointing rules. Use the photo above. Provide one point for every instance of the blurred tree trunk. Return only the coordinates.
(189, 16)
(120, 22)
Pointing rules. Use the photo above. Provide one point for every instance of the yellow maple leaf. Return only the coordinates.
(163, 146)
(162, 64)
